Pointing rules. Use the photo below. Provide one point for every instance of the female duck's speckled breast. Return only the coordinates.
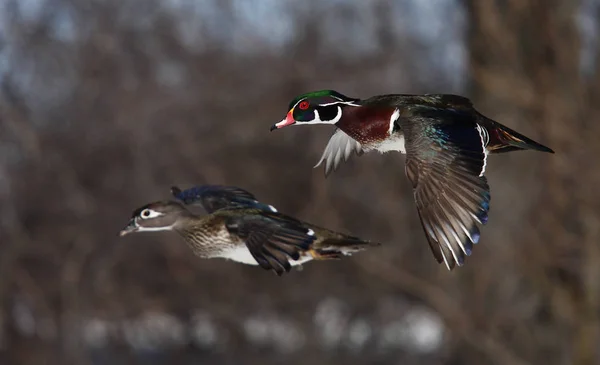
(208, 238)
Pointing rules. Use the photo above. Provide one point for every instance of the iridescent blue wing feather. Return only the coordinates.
(445, 162)
(215, 197)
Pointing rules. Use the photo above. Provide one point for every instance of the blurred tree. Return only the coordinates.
(525, 67)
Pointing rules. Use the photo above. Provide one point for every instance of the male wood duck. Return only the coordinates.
(446, 142)
(240, 228)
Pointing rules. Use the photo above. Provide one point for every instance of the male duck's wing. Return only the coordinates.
(215, 197)
(445, 162)
(272, 238)
(340, 147)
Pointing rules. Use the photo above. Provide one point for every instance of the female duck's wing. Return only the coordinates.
(272, 238)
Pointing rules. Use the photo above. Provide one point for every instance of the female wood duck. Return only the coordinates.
(446, 142)
(240, 228)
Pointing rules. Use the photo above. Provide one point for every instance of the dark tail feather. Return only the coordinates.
(504, 139)
(339, 245)
(349, 242)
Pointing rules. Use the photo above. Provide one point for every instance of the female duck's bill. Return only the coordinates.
(131, 227)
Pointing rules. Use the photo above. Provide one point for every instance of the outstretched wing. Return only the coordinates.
(445, 163)
(215, 197)
(340, 146)
(272, 239)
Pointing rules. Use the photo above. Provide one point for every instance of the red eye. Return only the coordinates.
(303, 105)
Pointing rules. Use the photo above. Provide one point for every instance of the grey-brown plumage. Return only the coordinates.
(242, 229)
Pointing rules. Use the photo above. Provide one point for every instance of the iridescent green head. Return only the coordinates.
(317, 107)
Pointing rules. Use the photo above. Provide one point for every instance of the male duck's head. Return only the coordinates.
(157, 216)
(318, 107)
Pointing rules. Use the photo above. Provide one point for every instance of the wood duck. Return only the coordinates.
(240, 228)
(446, 142)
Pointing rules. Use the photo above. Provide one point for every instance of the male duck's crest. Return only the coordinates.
(319, 107)
(321, 97)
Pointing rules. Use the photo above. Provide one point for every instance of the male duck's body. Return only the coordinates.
(446, 142)
(242, 229)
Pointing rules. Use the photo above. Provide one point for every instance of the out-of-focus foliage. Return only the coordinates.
(105, 105)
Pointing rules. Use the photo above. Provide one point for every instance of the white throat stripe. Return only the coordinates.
(155, 229)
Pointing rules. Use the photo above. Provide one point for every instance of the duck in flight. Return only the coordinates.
(238, 227)
(446, 142)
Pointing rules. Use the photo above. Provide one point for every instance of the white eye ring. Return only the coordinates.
(149, 213)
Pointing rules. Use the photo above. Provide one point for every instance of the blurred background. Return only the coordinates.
(106, 104)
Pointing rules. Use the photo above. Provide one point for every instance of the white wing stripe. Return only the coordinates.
(485, 138)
